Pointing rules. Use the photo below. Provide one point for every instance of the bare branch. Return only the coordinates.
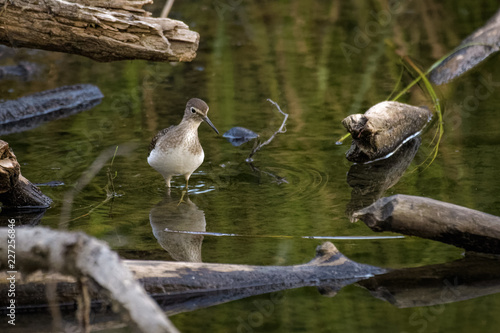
(282, 129)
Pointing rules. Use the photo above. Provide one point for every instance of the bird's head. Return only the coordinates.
(197, 109)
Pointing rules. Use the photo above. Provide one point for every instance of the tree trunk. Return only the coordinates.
(101, 30)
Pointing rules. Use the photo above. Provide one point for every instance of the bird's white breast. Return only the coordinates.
(175, 161)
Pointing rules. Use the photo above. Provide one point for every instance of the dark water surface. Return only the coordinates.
(293, 52)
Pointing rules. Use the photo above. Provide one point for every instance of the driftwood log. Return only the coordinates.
(183, 286)
(31, 111)
(423, 217)
(15, 190)
(81, 256)
(99, 29)
(473, 50)
(383, 129)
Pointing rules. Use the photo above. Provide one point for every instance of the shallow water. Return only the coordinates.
(290, 52)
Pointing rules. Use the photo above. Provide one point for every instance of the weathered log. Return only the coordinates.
(15, 190)
(81, 256)
(423, 217)
(183, 286)
(460, 280)
(369, 181)
(169, 214)
(473, 50)
(103, 34)
(383, 129)
(33, 110)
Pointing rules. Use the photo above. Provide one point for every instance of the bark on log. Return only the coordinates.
(423, 217)
(79, 255)
(102, 34)
(15, 190)
(383, 129)
(33, 110)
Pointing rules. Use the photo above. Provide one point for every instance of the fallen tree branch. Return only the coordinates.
(182, 286)
(103, 34)
(79, 255)
(423, 217)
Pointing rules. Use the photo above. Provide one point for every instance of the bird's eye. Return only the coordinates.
(193, 110)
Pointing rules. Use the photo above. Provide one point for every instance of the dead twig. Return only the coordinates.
(282, 129)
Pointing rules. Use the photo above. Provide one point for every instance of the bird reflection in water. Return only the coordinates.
(185, 216)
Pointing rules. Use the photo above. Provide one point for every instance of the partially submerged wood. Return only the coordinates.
(433, 219)
(460, 280)
(473, 50)
(101, 30)
(31, 111)
(183, 286)
(81, 256)
(15, 190)
(382, 129)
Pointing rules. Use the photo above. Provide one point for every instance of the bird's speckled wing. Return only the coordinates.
(157, 136)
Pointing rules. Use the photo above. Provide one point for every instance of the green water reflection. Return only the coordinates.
(291, 52)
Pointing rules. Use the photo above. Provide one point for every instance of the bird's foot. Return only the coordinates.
(184, 192)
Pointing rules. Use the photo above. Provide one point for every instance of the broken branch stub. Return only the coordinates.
(383, 129)
(428, 218)
(15, 190)
(105, 31)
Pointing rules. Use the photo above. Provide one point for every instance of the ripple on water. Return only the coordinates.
(302, 183)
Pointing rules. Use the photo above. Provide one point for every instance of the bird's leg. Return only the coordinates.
(184, 192)
(167, 181)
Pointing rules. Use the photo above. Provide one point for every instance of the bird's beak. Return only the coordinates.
(210, 123)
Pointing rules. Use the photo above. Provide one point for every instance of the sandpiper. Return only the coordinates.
(176, 150)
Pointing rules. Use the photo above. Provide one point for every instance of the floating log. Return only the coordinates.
(82, 257)
(33, 110)
(182, 286)
(423, 217)
(473, 50)
(15, 190)
(101, 30)
(383, 129)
